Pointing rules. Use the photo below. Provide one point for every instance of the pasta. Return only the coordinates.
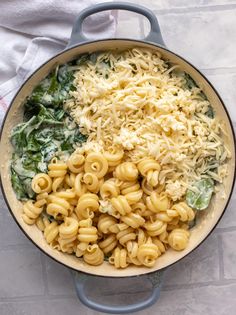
(114, 157)
(157, 202)
(119, 258)
(31, 210)
(87, 205)
(147, 253)
(150, 168)
(109, 189)
(93, 255)
(95, 212)
(120, 206)
(178, 239)
(126, 171)
(57, 168)
(108, 244)
(92, 183)
(75, 163)
(122, 195)
(183, 210)
(131, 191)
(41, 183)
(105, 222)
(96, 164)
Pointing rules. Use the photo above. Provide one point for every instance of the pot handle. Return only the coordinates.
(80, 280)
(154, 35)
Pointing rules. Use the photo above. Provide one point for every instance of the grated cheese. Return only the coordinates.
(141, 104)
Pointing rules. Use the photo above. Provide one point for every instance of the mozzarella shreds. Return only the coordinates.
(135, 101)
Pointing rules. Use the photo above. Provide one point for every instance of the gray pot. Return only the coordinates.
(78, 45)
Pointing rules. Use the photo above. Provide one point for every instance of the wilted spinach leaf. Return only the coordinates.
(200, 200)
(46, 130)
(210, 112)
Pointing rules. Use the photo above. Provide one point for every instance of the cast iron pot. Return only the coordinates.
(79, 45)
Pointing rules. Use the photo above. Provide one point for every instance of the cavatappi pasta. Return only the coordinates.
(102, 213)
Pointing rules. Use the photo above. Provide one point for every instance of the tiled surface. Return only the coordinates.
(203, 31)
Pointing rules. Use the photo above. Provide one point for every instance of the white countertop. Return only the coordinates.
(203, 31)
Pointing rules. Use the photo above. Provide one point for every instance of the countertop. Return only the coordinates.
(203, 31)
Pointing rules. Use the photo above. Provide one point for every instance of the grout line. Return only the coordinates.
(49, 297)
(34, 298)
(19, 246)
(225, 230)
(198, 285)
(44, 274)
(221, 258)
(200, 9)
(220, 70)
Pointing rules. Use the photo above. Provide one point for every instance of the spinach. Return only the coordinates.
(210, 112)
(54, 89)
(201, 199)
(189, 82)
(45, 131)
(82, 59)
(17, 186)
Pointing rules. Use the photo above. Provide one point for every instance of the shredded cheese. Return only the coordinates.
(141, 104)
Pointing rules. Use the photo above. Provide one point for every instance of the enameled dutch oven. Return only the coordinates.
(79, 45)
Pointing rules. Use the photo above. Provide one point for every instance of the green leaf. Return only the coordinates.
(47, 130)
(82, 59)
(26, 183)
(210, 112)
(200, 200)
(190, 83)
(17, 186)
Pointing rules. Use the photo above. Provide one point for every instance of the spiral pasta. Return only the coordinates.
(92, 183)
(157, 202)
(31, 210)
(57, 206)
(105, 222)
(182, 210)
(147, 253)
(155, 228)
(114, 157)
(85, 210)
(126, 235)
(79, 187)
(57, 183)
(93, 255)
(96, 164)
(119, 258)
(51, 232)
(86, 234)
(120, 206)
(108, 244)
(150, 168)
(126, 171)
(178, 239)
(133, 219)
(57, 168)
(109, 189)
(75, 163)
(87, 205)
(131, 191)
(69, 180)
(41, 183)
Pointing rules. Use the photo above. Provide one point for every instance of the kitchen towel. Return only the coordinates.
(33, 31)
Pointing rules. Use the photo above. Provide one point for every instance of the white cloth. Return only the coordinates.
(33, 31)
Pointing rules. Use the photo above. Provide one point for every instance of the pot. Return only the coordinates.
(78, 44)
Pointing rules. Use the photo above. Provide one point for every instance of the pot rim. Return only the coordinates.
(149, 272)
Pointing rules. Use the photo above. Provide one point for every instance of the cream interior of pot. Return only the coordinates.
(206, 222)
